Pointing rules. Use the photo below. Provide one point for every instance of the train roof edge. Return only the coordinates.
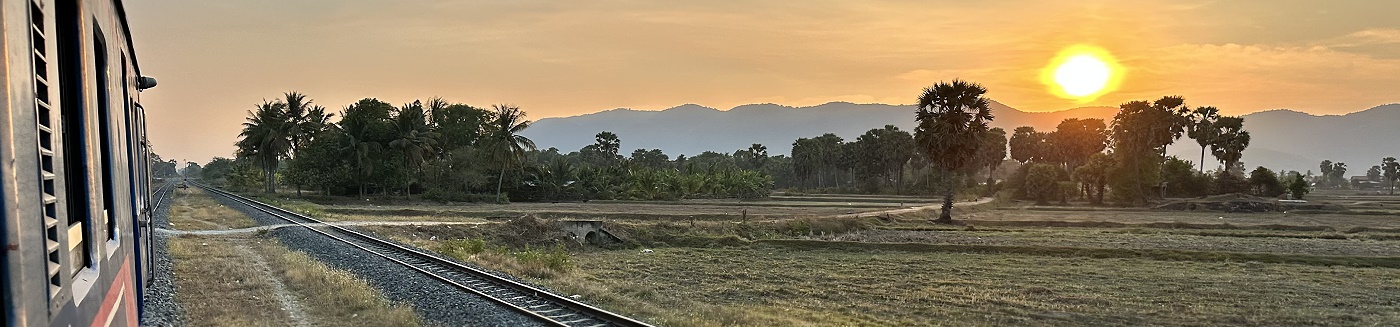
(126, 28)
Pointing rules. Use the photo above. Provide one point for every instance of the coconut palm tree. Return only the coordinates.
(266, 140)
(304, 121)
(414, 137)
(362, 125)
(506, 144)
(295, 113)
(952, 118)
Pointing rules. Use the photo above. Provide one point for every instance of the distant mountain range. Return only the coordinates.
(1281, 139)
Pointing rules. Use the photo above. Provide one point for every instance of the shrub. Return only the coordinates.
(446, 195)
(555, 259)
(1042, 182)
(1226, 182)
(1265, 183)
(1298, 186)
(1182, 180)
(1016, 183)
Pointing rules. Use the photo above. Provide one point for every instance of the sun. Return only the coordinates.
(1082, 73)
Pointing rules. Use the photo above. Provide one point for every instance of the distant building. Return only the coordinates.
(1364, 183)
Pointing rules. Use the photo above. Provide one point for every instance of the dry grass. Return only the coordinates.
(192, 209)
(254, 281)
(217, 287)
(1305, 243)
(1187, 219)
(221, 285)
(762, 285)
(335, 297)
(1036, 266)
(717, 210)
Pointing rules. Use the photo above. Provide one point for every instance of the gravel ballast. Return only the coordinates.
(160, 307)
(434, 300)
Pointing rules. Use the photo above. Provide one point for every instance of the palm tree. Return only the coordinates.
(506, 144)
(295, 113)
(1203, 129)
(758, 155)
(305, 120)
(266, 139)
(357, 123)
(414, 137)
(1229, 143)
(315, 122)
(952, 119)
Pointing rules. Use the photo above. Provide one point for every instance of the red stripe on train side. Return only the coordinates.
(122, 284)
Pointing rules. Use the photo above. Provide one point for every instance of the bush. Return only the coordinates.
(1133, 178)
(1069, 190)
(445, 195)
(1298, 186)
(1265, 183)
(1182, 180)
(1226, 183)
(1042, 182)
(555, 259)
(1016, 183)
(461, 249)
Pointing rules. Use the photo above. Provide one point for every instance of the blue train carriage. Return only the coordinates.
(73, 150)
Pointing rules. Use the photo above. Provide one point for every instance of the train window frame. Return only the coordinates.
(74, 130)
(137, 212)
(102, 71)
(79, 155)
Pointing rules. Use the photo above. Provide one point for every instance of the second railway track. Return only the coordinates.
(540, 305)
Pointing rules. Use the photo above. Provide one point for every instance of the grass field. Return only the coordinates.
(895, 288)
(252, 280)
(999, 265)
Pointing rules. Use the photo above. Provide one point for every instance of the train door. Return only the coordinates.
(141, 214)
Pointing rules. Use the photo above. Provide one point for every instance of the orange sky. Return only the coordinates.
(217, 59)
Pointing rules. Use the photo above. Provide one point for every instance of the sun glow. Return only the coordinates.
(1082, 73)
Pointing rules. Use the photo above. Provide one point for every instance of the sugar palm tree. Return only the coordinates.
(1229, 143)
(504, 141)
(952, 118)
(1203, 129)
(266, 139)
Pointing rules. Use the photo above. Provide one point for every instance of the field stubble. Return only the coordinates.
(1058, 266)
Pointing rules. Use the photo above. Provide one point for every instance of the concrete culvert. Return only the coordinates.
(595, 238)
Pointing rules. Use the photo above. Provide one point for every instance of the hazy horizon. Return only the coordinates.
(216, 59)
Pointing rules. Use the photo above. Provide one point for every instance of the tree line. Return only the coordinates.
(457, 152)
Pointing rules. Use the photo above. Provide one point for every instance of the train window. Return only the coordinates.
(104, 130)
(68, 23)
(131, 146)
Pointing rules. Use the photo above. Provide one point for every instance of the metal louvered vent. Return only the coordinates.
(45, 117)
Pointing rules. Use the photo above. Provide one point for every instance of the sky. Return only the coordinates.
(217, 59)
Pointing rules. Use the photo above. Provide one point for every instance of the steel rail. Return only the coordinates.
(528, 300)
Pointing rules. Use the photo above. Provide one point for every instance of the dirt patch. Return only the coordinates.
(296, 314)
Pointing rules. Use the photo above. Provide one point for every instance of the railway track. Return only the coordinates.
(545, 307)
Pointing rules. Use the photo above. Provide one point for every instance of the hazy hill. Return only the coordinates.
(1281, 138)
